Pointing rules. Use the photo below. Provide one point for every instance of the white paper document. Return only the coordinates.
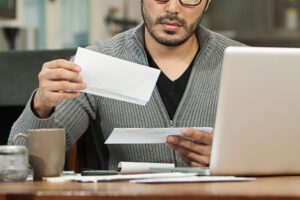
(141, 167)
(146, 135)
(115, 78)
(192, 179)
(131, 177)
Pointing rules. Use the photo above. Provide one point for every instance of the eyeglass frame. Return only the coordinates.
(183, 4)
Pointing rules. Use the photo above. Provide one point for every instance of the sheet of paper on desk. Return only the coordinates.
(131, 177)
(115, 78)
(145, 135)
(192, 179)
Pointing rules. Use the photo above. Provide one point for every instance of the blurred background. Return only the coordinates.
(58, 24)
(27, 26)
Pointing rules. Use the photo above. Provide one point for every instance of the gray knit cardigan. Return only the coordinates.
(196, 109)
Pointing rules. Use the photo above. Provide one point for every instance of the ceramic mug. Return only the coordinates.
(46, 149)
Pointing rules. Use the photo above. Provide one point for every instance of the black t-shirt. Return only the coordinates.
(171, 92)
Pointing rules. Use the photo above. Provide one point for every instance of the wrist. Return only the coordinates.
(39, 108)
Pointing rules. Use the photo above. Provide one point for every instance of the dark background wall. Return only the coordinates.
(8, 116)
(18, 79)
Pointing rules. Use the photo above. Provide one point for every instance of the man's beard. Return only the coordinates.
(150, 23)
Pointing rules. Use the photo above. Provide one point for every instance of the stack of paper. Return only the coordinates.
(141, 167)
(130, 177)
(175, 177)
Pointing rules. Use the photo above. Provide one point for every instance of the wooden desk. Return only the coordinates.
(262, 188)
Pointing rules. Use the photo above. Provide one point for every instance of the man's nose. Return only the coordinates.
(173, 6)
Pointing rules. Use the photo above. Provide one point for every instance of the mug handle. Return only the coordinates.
(17, 136)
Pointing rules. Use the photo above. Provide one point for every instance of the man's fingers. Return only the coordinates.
(62, 64)
(63, 86)
(190, 156)
(55, 78)
(186, 160)
(63, 74)
(196, 154)
(191, 145)
(202, 137)
(195, 164)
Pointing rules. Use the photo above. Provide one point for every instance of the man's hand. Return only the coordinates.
(196, 154)
(55, 80)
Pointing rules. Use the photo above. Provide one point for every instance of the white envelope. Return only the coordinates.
(146, 135)
(115, 78)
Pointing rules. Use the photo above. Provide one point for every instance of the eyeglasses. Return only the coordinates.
(184, 2)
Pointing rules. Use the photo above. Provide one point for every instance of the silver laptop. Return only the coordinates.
(257, 128)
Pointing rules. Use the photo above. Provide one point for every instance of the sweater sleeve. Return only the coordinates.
(74, 115)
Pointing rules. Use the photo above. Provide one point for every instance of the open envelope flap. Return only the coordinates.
(116, 77)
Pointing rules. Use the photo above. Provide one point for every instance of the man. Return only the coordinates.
(190, 58)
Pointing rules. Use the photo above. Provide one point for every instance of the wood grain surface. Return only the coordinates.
(285, 187)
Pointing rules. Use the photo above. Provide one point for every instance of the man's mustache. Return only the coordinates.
(172, 18)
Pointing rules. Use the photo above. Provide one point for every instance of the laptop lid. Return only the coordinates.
(257, 128)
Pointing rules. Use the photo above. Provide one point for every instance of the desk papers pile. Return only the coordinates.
(131, 177)
(115, 78)
(193, 179)
(141, 167)
(176, 177)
